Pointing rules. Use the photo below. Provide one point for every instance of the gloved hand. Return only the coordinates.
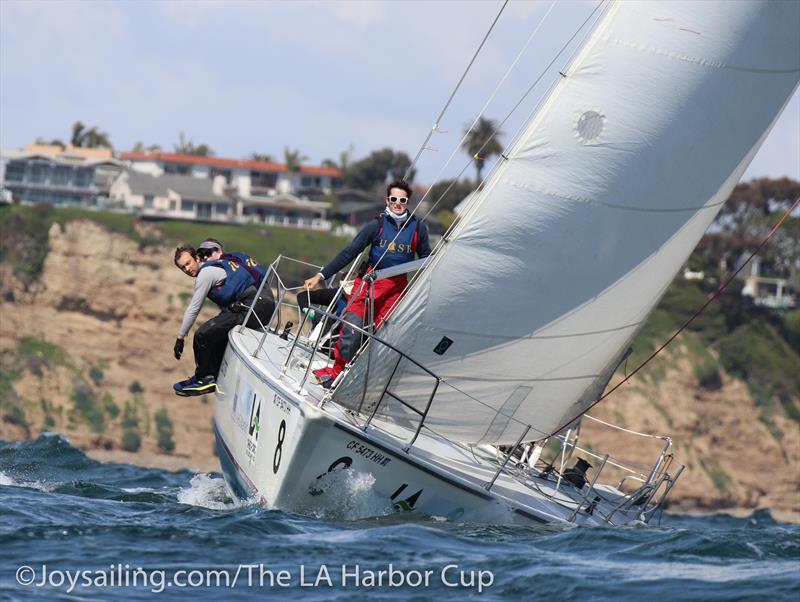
(178, 349)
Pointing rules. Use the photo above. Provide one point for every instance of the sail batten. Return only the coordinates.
(554, 268)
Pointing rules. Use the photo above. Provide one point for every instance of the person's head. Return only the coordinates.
(210, 250)
(398, 195)
(186, 260)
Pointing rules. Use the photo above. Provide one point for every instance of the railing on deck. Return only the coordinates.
(657, 480)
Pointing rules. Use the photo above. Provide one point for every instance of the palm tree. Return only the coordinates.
(94, 138)
(78, 135)
(293, 159)
(481, 143)
(91, 138)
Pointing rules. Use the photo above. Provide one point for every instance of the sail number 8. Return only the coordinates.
(276, 459)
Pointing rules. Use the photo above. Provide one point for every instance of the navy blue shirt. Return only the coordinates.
(368, 236)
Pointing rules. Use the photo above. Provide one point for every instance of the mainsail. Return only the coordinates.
(554, 268)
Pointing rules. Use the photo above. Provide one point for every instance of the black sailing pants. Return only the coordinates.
(211, 338)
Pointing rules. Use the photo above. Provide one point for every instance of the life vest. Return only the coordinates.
(241, 272)
(401, 248)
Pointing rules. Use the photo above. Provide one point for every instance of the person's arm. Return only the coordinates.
(207, 278)
(423, 240)
(362, 240)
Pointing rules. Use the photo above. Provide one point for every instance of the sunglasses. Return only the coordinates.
(398, 199)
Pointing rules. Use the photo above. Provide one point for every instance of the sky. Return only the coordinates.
(319, 76)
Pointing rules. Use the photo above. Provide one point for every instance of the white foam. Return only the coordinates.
(209, 492)
(347, 495)
(9, 481)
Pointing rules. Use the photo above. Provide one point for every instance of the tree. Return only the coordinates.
(261, 157)
(91, 138)
(449, 193)
(293, 159)
(329, 163)
(77, 134)
(187, 147)
(377, 169)
(481, 143)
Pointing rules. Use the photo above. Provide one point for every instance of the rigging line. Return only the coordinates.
(489, 101)
(711, 299)
(444, 238)
(471, 127)
(453, 93)
(515, 107)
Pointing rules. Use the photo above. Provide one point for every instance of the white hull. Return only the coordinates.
(276, 441)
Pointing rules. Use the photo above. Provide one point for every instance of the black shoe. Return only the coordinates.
(196, 386)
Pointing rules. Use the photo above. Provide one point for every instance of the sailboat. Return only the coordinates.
(514, 326)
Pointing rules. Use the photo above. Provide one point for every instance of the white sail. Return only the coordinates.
(579, 232)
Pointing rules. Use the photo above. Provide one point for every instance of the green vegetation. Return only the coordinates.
(96, 374)
(719, 478)
(35, 354)
(166, 442)
(111, 408)
(261, 242)
(87, 406)
(131, 438)
(136, 387)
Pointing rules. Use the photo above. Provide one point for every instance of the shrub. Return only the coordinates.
(131, 440)
(165, 431)
(111, 408)
(87, 406)
(135, 387)
(707, 372)
(96, 374)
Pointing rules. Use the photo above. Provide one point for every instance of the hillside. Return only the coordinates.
(90, 303)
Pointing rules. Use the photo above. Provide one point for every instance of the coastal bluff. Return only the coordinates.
(86, 348)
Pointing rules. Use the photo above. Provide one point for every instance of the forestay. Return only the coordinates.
(576, 236)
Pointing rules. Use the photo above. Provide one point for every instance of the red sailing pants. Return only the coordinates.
(387, 292)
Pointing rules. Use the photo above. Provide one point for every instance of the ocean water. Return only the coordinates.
(72, 528)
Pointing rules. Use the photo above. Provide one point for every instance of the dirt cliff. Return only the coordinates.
(87, 351)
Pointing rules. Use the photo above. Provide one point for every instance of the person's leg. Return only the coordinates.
(387, 294)
(210, 341)
(349, 339)
(262, 311)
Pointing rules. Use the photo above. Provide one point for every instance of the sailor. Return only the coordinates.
(394, 237)
(230, 280)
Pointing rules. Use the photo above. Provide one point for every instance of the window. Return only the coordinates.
(15, 171)
(62, 175)
(172, 168)
(226, 173)
(221, 209)
(305, 181)
(39, 172)
(204, 210)
(172, 204)
(148, 201)
(264, 179)
(187, 206)
(84, 177)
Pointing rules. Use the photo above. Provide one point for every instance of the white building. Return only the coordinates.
(60, 176)
(243, 178)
